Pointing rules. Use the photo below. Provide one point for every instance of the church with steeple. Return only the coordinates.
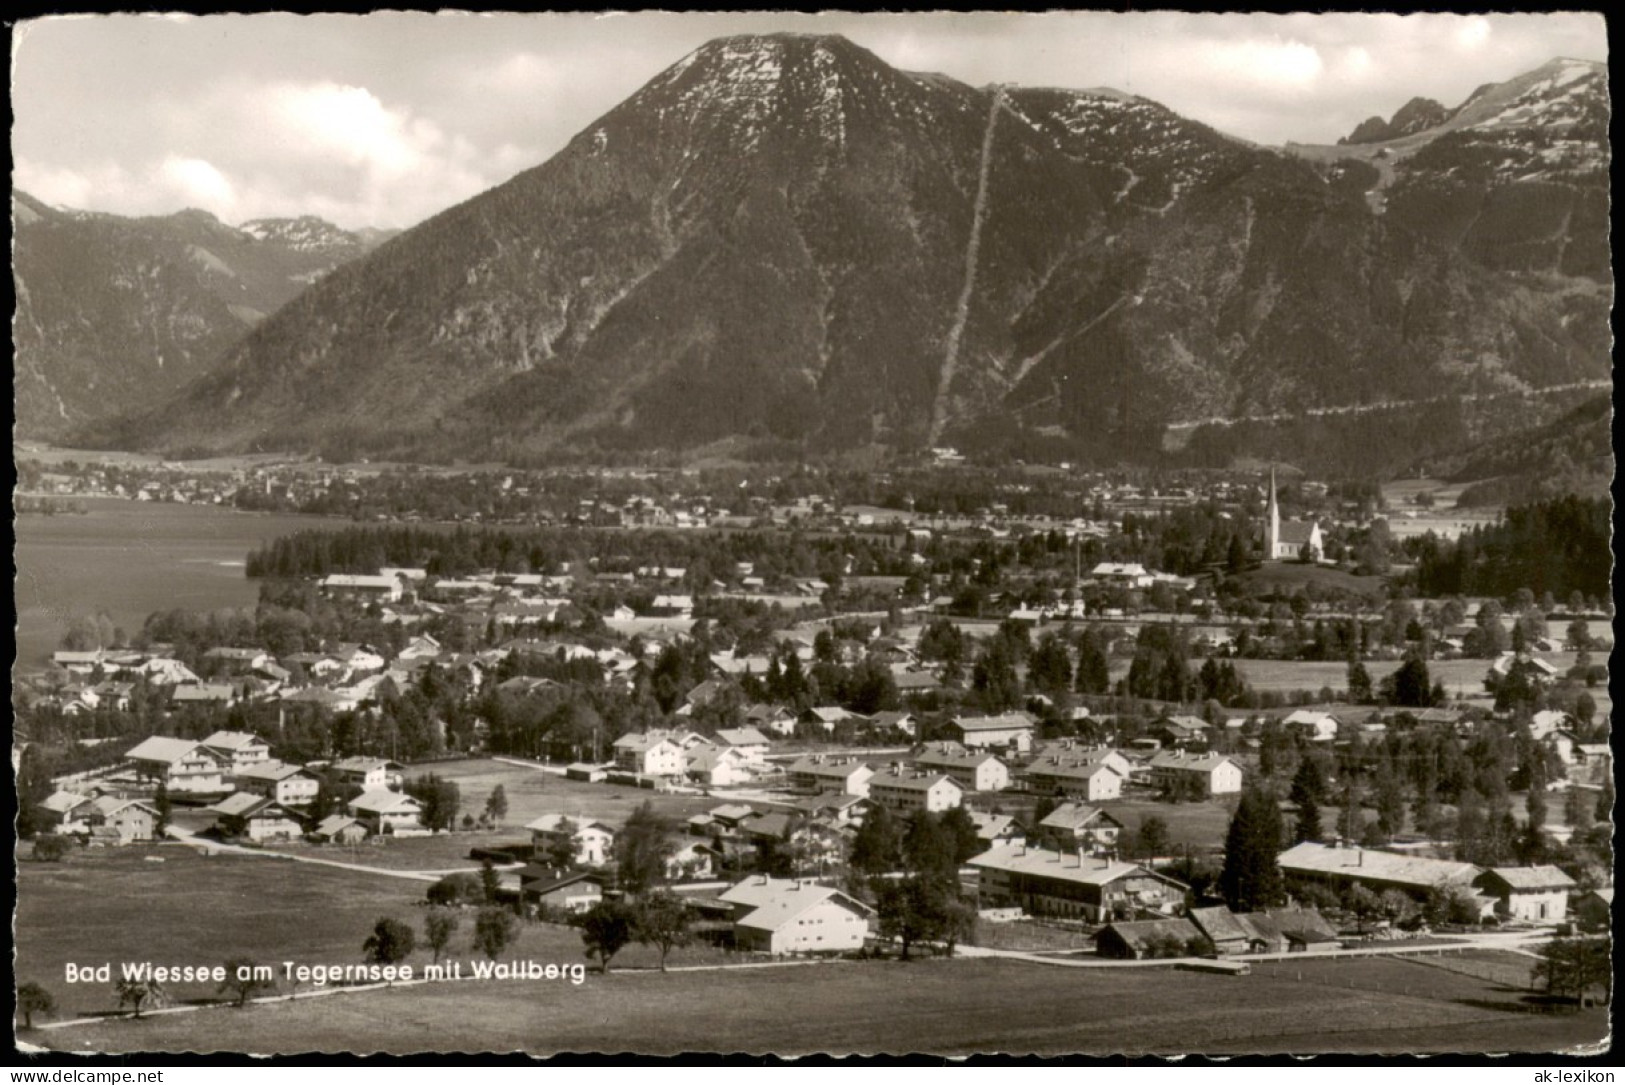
(1285, 542)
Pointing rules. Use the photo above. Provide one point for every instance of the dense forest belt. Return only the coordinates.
(1368, 441)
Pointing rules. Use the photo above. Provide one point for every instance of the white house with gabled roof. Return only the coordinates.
(181, 764)
(796, 916)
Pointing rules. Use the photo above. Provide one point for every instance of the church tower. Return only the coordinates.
(1272, 536)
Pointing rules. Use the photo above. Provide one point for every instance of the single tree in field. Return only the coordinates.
(136, 993)
(606, 928)
(494, 931)
(1251, 876)
(32, 999)
(642, 848)
(563, 845)
(165, 809)
(245, 978)
(490, 883)
(390, 942)
(439, 924)
(662, 920)
(1361, 690)
(958, 921)
(496, 807)
(877, 846)
(1152, 839)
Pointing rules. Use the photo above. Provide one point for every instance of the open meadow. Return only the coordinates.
(117, 906)
(532, 793)
(887, 1007)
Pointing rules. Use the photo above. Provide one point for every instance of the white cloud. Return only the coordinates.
(1474, 33)
(1291, 64)
(199, 184)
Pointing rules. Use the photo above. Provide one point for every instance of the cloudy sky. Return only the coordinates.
(385, 119)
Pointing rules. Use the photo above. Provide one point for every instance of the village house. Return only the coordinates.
(205, 695)
(1135, 940)
(67, 812)
(1093, 776)
(1529, 894)
(905, 723)
(905, 794)
(1073, 886)
(1086, 827)
(796, 916)
(747, 741)
(384, 811)
(1595, 910)
(672, 606)
(779, 720)
(243, 750)
(1209, 775)
(836, 808)
(352, 586)
(1181, 732)
(114, 819)
(994, 828)
(714, 766)
(973, 771)
(339, 829)
(690, 860)
(1008, 732)
(367, 773)
(290, 785)
(181, 765)
(1547, 722)
(827, 717)
(1338, 868)
(255, 817)
(544, 889)
(1313, 725)
(815, 773)
(652, 754)
(594, 841)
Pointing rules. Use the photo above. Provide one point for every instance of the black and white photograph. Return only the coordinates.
(765, 534)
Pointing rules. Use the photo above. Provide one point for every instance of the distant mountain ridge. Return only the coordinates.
(116, 312)
(1416, 115)
(781, 239)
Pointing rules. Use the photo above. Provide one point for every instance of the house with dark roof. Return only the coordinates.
(547, 889)
(1136, 940)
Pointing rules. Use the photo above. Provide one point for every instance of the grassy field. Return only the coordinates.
(1288, 576)
(947, 1007)
(116, 906)
(532, 793)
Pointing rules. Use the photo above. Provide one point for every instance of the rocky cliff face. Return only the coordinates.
(783, 238)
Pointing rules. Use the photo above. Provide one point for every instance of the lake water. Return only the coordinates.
(130, 558)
